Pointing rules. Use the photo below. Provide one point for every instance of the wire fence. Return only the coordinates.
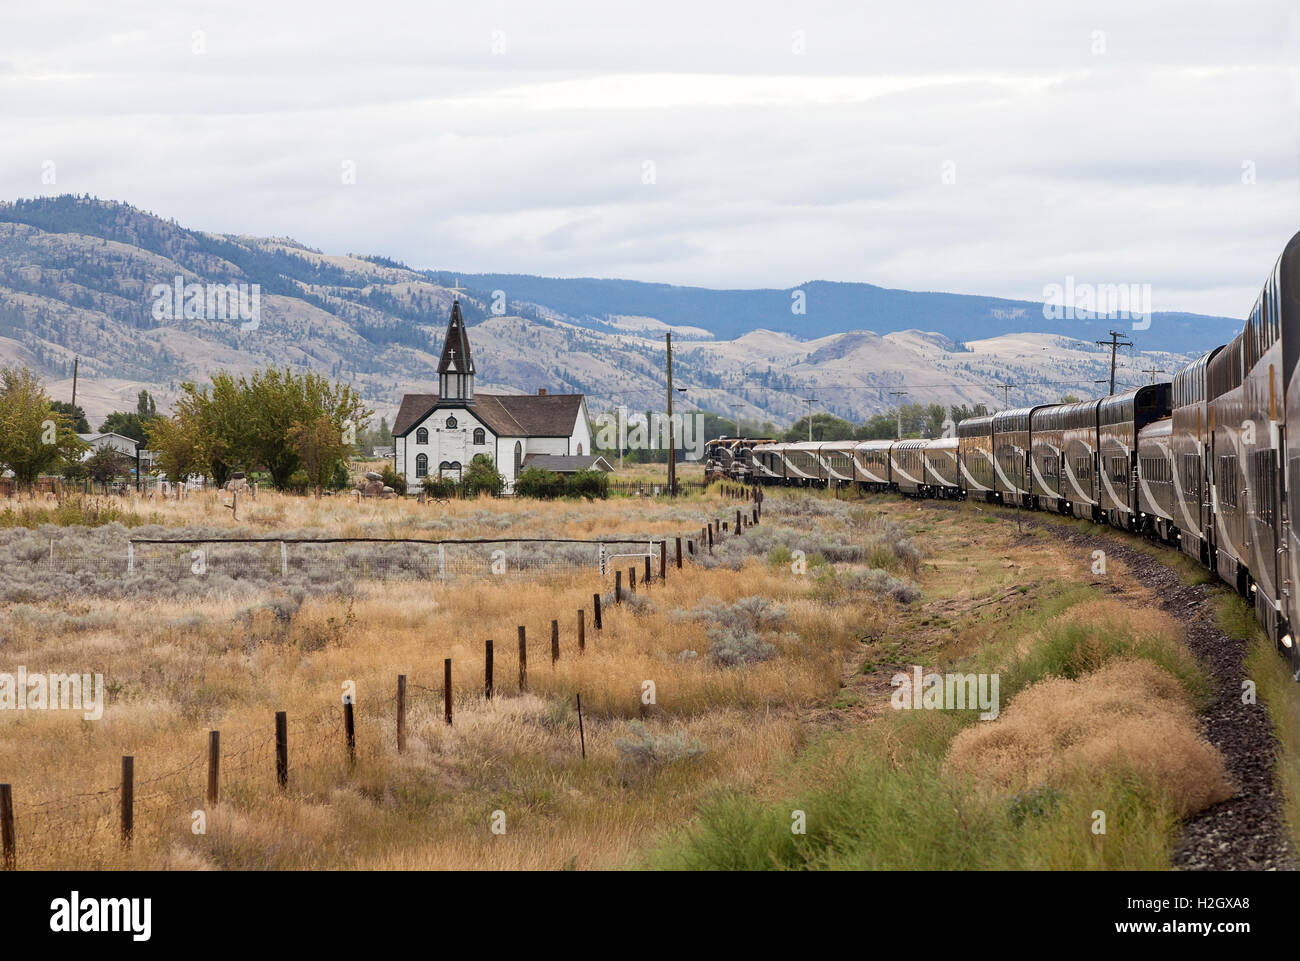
(98, 565)
(152, 808)
(157, 805)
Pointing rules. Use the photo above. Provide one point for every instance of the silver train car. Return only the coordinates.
(1204, 463)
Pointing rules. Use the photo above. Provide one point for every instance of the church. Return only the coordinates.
(439, 434)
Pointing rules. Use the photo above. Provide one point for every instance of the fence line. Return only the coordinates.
(55, 823)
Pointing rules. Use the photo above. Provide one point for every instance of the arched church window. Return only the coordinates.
(519, 457)
(579, 450)
(479, 436)
(422, 436)
(421, 465)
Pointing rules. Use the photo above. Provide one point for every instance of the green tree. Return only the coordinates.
(77, 415)
(33, 437)
(825, 427)
(105, 465)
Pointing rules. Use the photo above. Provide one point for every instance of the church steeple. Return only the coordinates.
(456, 369)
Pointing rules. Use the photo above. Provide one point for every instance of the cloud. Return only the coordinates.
(1105, 140)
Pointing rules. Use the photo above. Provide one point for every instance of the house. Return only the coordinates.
(439, 434)
(126, 446)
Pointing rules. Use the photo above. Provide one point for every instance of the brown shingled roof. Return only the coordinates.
(508, 415)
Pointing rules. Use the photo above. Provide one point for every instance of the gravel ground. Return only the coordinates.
(1245, 832)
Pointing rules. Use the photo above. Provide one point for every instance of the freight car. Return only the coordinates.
(1204, 463)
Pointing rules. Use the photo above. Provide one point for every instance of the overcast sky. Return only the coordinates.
(1107, 140)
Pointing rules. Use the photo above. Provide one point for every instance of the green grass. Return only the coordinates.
(893, 805)
(1276, 689)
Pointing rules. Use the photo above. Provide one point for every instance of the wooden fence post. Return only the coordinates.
(755, 515)
(710, 530)
(582, 735)
(663, 560)
(487, 669)
(523, 661)
(618, 587)
(631, 579)
(214, 765)
(446, 689)
(128, 799)
(679, 553)
(646, 580)
(582, 630)
(595, 610)
(350, 730)
(282, 748)
(690, 547)
(401, 713)
(738, 527)
(8, 847)
(555, 642)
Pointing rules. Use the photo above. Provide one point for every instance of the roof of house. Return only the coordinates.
(568, 463)
(508, 415)
(91, 438)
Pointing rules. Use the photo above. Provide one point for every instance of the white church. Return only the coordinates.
(439, 434)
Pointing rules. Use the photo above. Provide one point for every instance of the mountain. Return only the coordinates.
(82, 278)
(831, 308)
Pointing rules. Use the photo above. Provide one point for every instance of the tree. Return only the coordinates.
(105, 465)
(77, 414)
(177, 446)
(825, 427)
(126, 424)
(33, 437)
(319, 444)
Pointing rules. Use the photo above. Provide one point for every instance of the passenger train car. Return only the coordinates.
(1204, 463)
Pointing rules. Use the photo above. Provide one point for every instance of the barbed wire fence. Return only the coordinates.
(144, 811)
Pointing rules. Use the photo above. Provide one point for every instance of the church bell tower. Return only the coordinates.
(456, 369)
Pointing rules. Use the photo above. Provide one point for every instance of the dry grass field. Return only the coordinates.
(769, 664)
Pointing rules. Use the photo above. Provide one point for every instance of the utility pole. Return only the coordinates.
(1114, 343)
(1006, 395)
(1153, 371)
(672, 437)
(900, 394)
(809, 402)
(75, 364)
(622, 432)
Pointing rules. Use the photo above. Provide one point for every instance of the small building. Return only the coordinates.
(439, 434)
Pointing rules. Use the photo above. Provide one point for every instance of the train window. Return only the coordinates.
(1265, 482)
(1227, 480)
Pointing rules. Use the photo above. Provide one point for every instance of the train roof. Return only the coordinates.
(875, 445)
(973, 425)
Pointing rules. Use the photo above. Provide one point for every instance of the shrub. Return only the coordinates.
(588, 483)
(482, 477)
(435, 486)
(735, 645)
(390, 478)
(645, 750)
(535, 482)
(298, 482)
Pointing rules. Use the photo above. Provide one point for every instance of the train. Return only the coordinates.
(1203, 463)
(731, 457)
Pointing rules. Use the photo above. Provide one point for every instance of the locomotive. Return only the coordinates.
(1203, 463)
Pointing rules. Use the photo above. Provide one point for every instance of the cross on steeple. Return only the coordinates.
(457, 288)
